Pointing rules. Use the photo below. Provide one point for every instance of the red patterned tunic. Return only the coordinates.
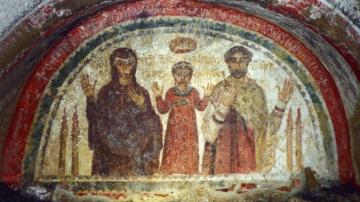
(181, 151)
(235, 151)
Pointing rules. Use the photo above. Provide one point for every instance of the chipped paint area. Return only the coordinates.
(12, 12)
(350, 8)
(47, 11)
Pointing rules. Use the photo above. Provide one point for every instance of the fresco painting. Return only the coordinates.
(124, 132)
(161, 103)
(179, 101)
(180, 154)
(51, 139)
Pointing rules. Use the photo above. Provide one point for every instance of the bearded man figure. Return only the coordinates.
(125, 133)
(240, 132)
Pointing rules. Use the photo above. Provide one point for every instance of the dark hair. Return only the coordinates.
(123, 53)
(182, 65)
(236, 49)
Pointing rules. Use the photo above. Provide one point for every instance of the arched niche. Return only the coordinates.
(32, 145)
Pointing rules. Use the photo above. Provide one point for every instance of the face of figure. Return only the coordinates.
(238, 64)
(124, 68)
(182, 78)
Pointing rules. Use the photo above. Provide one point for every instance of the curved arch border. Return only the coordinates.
(15, 144)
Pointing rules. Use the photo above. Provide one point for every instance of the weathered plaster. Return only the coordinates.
(205, 60)
(349, 8)
(342, 72)
(12, 12)
(306, 57)
(355, 139)
(327, 27)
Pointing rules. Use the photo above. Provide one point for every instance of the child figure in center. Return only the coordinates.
(181, 150)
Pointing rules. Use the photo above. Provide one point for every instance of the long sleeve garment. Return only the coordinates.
(181, 150)
(125, 138)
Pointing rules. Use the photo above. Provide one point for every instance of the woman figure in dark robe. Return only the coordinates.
(124, 130)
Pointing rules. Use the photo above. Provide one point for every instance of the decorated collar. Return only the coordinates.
(185, 92)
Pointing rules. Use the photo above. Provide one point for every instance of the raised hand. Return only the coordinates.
(86, 86)
(156, 89)
(208, 89)
(139, 99)
(286, 92)
(229, 96)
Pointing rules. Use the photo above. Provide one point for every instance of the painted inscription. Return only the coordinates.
(137, 108)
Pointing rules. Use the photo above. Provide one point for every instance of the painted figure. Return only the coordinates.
(124, 130)
(239, 130)
(181, 154)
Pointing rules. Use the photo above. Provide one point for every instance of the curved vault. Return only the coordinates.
(148, 26)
